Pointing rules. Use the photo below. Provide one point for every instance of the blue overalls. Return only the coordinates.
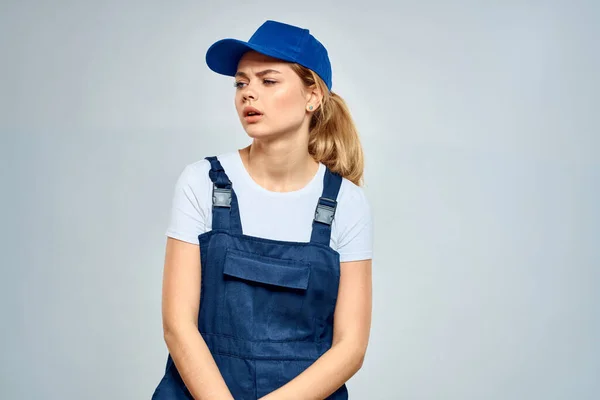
(266, 306)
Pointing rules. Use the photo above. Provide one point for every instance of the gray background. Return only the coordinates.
(481, 131)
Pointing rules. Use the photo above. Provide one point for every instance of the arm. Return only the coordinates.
(352, 322)
(180, 304)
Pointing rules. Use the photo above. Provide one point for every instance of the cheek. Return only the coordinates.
(237, 99)
(288, 103)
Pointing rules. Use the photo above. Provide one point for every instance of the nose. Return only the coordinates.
(249, 93)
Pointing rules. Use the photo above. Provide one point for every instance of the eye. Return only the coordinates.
(238, 85)
(269, 82)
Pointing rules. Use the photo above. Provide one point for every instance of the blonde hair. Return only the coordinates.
(333, 138)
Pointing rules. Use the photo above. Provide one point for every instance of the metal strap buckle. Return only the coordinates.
(221, 197)
(325, 213)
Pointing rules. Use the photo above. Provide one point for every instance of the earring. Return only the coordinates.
(310, 107)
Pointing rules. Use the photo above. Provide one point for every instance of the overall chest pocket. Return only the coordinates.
(264, 297)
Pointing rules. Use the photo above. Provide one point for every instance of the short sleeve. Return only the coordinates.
(189, 211)
(355, 227)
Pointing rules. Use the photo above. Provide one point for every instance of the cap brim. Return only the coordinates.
(224, 55)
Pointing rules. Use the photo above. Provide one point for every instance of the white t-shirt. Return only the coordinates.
(272, 215)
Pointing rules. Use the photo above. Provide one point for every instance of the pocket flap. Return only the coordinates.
(273, 271)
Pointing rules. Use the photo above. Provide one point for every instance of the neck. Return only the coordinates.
(279, 166)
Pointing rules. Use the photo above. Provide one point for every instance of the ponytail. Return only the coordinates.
(333, 138)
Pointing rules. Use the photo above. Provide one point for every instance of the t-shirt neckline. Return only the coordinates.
(252, 183)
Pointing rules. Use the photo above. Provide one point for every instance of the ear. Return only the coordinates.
(314, 97)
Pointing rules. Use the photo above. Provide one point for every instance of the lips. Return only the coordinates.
(250, 112)
(253, 118)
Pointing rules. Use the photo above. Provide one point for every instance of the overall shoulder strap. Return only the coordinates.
(225, 208)
(325, 211)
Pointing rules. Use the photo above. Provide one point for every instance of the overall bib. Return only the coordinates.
(266, 306)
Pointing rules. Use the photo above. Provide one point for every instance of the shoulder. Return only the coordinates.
(353, 196)
(189, 210)
(196, 172)
(196, 168)
(192, 201)
(353, 225)
(353, 209)
(193, 183)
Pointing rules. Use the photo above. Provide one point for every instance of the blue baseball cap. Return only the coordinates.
(274, 39)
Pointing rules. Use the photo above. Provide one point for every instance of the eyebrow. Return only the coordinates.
(259, 74)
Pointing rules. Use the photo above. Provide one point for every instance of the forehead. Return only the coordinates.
(254, 60)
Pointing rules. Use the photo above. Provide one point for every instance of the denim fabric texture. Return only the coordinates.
(266, 306)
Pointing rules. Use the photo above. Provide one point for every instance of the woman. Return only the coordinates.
(267, 277)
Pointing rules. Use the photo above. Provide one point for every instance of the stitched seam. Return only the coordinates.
(223, 353)
(270, 241)
(255, 383)
(259, 341)
(287, 261)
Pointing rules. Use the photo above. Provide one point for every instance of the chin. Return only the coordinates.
(258, 132)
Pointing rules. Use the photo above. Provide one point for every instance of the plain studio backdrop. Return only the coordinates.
(480, 126)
